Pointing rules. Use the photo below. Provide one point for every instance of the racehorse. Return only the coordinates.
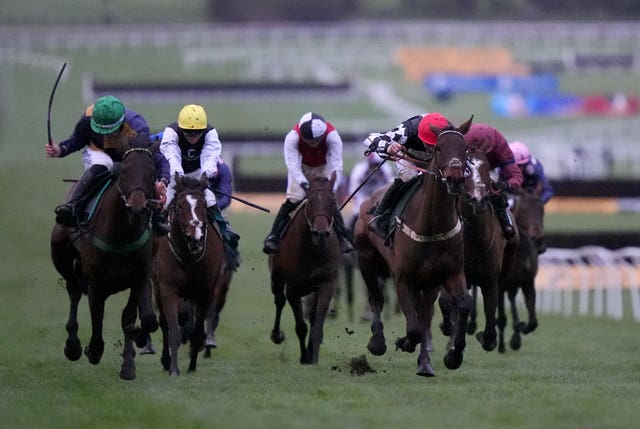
(307, 265)
(187, 266)
(484, 246)
(109, 254)
(426, 252)
(520, 268)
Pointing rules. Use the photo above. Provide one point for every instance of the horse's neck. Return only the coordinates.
(113, 218)
(437, 208)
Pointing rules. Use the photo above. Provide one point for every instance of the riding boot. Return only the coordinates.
(500, 204)
(229, 237)
(159, 222)
(380, 222)
(346, 244)
(272, 241)
(67, 213)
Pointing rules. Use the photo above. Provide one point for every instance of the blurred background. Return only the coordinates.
(563, 77)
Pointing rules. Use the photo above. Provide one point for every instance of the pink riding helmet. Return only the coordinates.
(520, 152)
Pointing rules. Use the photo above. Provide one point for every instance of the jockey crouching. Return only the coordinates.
(99, 131)
(192, 147)
(312, 148)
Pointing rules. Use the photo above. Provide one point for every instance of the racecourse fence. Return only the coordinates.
(601, 278)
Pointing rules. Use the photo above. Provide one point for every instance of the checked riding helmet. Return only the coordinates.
(312, 127)
(425, 134)
(107, 115)
(192, 117)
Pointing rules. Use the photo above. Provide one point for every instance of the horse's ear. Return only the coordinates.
(155, 146)
(333, 178)
(464, 128)
(178, 180)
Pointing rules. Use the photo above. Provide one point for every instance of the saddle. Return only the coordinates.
(89, 201)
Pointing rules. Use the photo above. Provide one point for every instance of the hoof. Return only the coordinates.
(128, 370)
(426, 370)
(471, 327)
(207, 353)
(453, 360)
(377, 345)
(405, 345)
(515, 342)
(73, 350)
(94, 357)
(501, 348)
(487, 345)
(148, 349)
(277, 337)
(210, 342)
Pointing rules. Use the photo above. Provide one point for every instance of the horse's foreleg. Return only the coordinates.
(458, 289)
(210, 325)
(96, 344)
(301, 328)
(377, 344)
(472, 324)
(515, 342)
(148, 319)
(348, 277)
(171, 333)
(425, 315)
(73, 347)
(127, 321)
(316, 333)
(408, 300)
(488, 337)
(279, 299)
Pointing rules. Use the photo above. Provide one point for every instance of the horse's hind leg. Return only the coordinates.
(425, 315)
(127, 321)
(529, 293)
(197, 336)
(316, 333)
(472, 324)
(488, 337)
(377, 344)
(502, 322)
(148, 319)
(210, 325)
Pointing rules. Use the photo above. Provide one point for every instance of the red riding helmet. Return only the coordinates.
(425, 134)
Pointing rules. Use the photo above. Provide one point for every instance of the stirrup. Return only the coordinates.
(270, 245)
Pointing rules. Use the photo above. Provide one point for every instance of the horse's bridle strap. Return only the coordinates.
(428, 238)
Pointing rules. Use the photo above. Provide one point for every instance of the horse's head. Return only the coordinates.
(478, 182)
(320, 208)
(137, 177)
(449, 162)
(529, 213)
(188, 216)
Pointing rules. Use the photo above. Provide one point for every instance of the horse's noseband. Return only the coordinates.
(125, 195)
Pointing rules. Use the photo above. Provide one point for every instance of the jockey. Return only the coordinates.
(360, 172)
(192, 147)
(493, 143)
(312, 148)
(414, 136)
(532, 171)
(103, 122)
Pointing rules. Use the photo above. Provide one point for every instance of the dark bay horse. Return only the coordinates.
(187, 266)
(307, 265)
(520, 267)
(484, 246)
(426, 252)
(110, 254)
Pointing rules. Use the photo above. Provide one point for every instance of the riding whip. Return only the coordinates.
(241, 200)
(362, 184)
(53, 91)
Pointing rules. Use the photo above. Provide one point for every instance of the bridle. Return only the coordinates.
(125, 194)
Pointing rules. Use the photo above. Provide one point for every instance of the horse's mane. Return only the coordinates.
(189, 182)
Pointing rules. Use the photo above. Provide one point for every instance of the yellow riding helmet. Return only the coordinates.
(192, 117)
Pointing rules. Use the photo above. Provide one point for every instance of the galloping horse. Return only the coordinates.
(427, 252)
(188, 265)
(307, 264)
(484, 246)
(110, 254)
(520, 267)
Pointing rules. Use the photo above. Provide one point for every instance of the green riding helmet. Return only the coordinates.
(108, 115)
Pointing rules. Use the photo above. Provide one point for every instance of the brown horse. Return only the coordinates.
(484, 246)
(426, 252)
(307, 265)
(110, 254)
(187, 266)
(520, 268)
